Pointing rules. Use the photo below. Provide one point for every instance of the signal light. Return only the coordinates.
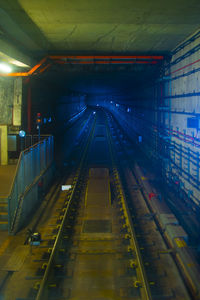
(38, 119)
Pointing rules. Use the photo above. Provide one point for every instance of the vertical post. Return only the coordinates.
(38, 133)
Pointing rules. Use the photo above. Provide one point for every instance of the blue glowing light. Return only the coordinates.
(22, 133)
(128, 109)
(117, 105)
(50, 120)
(44, 120)
(94, 112)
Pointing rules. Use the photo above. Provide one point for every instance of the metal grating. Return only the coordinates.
(97, 226)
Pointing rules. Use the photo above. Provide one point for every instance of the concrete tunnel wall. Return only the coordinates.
(68, 106)
(10, 112)
(69, 115)
(182, 98)
(162, 115)
(6, 100)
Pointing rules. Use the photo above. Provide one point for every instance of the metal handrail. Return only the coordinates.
(19, 161)
(25, 173)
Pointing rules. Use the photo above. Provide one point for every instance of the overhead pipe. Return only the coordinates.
(135, 59)
(107, 57)
(107, 62)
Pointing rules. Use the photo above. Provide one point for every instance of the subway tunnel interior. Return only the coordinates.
(119, 79)
(76, 87)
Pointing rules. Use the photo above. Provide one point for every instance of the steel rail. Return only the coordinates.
(187, 279)
(41, 292)
(145, 285)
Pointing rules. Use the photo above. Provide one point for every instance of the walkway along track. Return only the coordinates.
(97, 238)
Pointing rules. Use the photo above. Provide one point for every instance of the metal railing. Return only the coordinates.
(32, 165)
(22, 143)
(30, 140)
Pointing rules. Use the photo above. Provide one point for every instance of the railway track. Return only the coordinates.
(95, 231)
(169, 263)
(92, 248)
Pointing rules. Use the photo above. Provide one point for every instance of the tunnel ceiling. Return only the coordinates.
(103, 27)
(94, 26)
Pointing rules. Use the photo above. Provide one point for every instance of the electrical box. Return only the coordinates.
(193, 123)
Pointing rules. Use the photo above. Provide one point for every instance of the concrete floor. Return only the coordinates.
(7, 243)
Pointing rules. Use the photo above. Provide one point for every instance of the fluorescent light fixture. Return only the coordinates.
(5, 68)
(66, 187)
(12, 61)
(18, 63)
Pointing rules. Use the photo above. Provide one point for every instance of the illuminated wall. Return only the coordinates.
(179, 112)
(167, 117)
